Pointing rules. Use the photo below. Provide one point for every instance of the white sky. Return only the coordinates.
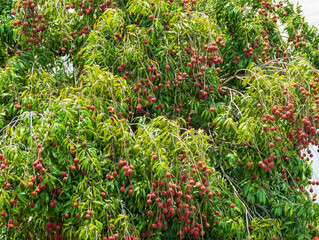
(311, 10)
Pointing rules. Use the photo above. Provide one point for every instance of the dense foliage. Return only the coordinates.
(133, 119)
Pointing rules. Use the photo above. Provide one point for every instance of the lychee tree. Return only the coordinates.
(163, 120)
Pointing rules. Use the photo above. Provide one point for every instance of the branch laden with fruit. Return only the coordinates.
(157, 119)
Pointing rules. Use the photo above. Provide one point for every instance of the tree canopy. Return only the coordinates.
(178, 119)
